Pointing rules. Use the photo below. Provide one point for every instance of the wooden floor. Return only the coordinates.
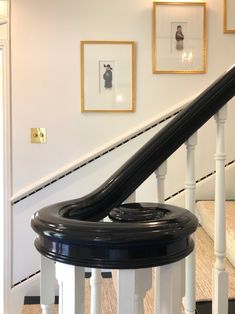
(204, 262)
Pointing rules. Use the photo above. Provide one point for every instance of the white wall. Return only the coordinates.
(46, 76)
(45, 42)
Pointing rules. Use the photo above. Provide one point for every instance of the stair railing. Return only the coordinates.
(70, 232)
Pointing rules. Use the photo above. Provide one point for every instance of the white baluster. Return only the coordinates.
(126, 291)
(178, 289)
(169, 282)
(71, 281)
(160, 176)
(172, 279)
(47, 287)
(190, 185)
(220, 276)
(143, 282)
(132, 285)
(143, 277)
(95, 283)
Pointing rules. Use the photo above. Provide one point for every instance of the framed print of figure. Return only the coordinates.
(229, 16)
(179, 37)
(107, 76)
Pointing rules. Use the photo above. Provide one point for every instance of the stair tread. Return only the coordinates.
(206, 211)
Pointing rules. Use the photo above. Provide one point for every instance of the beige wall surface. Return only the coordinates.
(45, 42)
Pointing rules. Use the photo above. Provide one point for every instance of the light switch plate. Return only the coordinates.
(38, 135)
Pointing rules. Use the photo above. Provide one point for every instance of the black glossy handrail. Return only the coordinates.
(70, 232)
(96, 205)
(144, 235)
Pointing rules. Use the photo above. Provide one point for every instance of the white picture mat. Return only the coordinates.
(192, 56)
(230, 14)
(118, 98)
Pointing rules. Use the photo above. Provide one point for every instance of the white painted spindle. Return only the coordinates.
(47, 286)
(220, 276)
(143, 277)
(160, 176)
(132, 287)
(126, 291)
(143, 282)
(190, 185)
(95, 283)
(71, 281)
(170, 279)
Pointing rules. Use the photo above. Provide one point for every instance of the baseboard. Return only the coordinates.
(205, 307)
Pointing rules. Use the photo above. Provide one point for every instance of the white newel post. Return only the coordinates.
(190, 186)
(71, 281)
(95, 283)
(220, 276)
(47, 286)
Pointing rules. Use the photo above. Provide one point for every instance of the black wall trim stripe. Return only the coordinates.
(96, 157)
(199, 180)
(36, 300)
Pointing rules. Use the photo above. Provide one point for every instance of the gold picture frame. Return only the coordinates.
(179, 38)
(229, 16)
(107, 76)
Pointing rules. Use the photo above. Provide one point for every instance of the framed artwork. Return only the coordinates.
(229, 16)
(107, 76)
(179, 37)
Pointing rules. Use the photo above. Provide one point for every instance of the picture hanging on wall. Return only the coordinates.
(179, 37)
(107, 76)
(229, 16)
